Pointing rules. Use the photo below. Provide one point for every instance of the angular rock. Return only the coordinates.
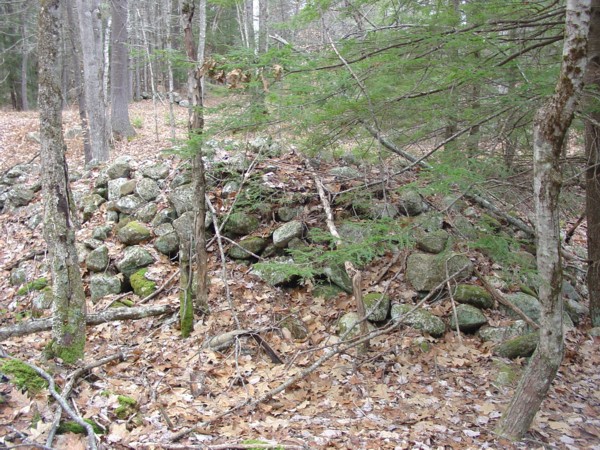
(146, 213)
(379, 304)
(133, 233)
(104, 284)
(163, 229)
(129, 204)
(97, 260)
(181, 179)
(469, 318)
(501, 334)
(166, 215)
(253, 244)
(473, 295)
(285, 233)
(20, 195)
(102, 232)
(147, 189)
(430, 221)
(519, 347)
(344, 172)
(410, 203)
(420, 319)
(465, 228)
(274, 276)
(184, 226)
(167, 244)
(114, 188)
(425, 271)
(382, 210)
(134, 259)
(287, 213)
(241, 224)
(183, 199)
(156, 171)
(337, 275)
(121, 168)
(127, 188)
(433, 242)
(90, 204)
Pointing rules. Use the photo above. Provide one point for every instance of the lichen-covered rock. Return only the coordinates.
(104, 284)
(230, 188)
(420, 319)
(114, 188)
(429, 221)
(90, 204)
(134, 259)
(184, 226)
(102, 232)
(469, 318)
(253, 244)
(241, 224)
(382, 210)
(473, 295)
(519, 347)
(349, 321)
(18, 276)
(465, 227)
(433, 242)
(147, 189)
(129, 204)
(167, 244)
(141, 285)
(182, 198)
(326, 290)
(275, 276)
(166, 215)
(287, 213)
(344, 172)
(121, 168)
(410, 203)
(20, 195)
(97, 260)
(156, 171)
(354, 232)
(288, 231)
(181, 179)
(501, 334)
(379, 304)
(337, 275)
(133, 233)
(425, 271)
(146, 213)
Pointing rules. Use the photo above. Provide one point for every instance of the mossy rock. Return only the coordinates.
(469, 318)
(71, 426)
(253, 244)
(419, 319)
(506, 374)
(383, 306)
(23, 376)
(141, 285)
(326, 291)
(519, 347)
(133, 233)
(473, 295)
(347, 322)
(433, 242)
(35, 285)
(241, 224)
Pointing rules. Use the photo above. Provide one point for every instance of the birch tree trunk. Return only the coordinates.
(90, 28)
(592, 147)
(119, 73)
(68, 308)
(551, 124)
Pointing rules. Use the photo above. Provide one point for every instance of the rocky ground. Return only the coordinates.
(420, 386)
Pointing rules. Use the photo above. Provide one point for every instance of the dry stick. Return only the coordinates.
(35, 326)
(66, 392)
(571, 231)
(222, 446)
(91, 437)
(503, 300)
(336, 349)
(218, 236)
(453, 305)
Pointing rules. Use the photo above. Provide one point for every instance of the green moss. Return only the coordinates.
(73, 427)
(127, 407)
(123, 303)
(186, 313)
(141, 285)
(23, 376)
(69, 354)
(35, 285)
(126, 401)
(259, 442)
(519, 347)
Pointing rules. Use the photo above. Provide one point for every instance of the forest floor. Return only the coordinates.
(401, 394)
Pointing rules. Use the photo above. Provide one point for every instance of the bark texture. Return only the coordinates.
(592, 147)
(90, 28)
(119, 72)
(550, 127)
(68, 309)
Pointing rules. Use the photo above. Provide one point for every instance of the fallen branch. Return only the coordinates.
(36, 326)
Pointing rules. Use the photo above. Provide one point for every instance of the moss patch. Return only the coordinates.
(23, 376)
(35, 285)
(73, 427)
(141, 285)
(127, 407)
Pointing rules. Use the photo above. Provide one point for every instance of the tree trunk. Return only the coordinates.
(592, 148)
(119, 73)
(24, 62)
(263, 25)
(90, 28)
(68, 308)
(249, 11)
(550, 127)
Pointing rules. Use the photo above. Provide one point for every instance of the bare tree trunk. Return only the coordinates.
(90, 28)
(263, 25)
(68, 308)
(119, 73)
(249, 11)
(592, 147)
(24, 62)
(550, 127)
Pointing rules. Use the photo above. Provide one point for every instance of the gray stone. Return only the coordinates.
(576, 311)
(253, 244)
(134, 259)
(167, 244)
(97, 260)
(181, 179)
(121, 168)
(127, 188)
(430, 221)
(133, 233)
(453, 203)
(146, 213)
(184, 103)
(82, 252)
(419, 319)
(238, 162)
(102, 232)
(16, 175)
(34, 136)
(379, 304)
(147, 189)
(532, 308)
(114, 188)
(230, 188)
(104, 284)
(163, 229)
(20, 195)
(287, 213)
(101, 181)
(285, 233)
(433, 242)
(90, 204)
(344, 172)
(18, 276)
(349, 321)
(34, 221)
(259, 143)
(93, 243)
(501, 334)
(473, 295)
(337, 275)
(184, 226)
(464, 227)
(382, 210)
(354, 232)
(469, 318)
(274, 276)
(156, 171)
(166, 215)
(410, 203)
(42, 302)
(183, 199)
(241, 224)
(519, 347)
(425, 271)
(129, 204)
